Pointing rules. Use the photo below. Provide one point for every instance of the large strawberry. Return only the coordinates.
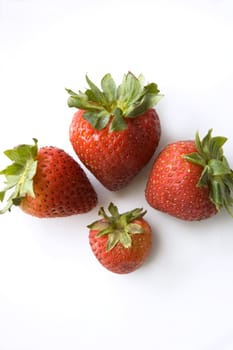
(191, 180)
(46, 182)
(121, 242)
(115, 132)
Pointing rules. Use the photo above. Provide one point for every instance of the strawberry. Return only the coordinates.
(121, 242)
(115, 131)
(191, 180)
(46, 182)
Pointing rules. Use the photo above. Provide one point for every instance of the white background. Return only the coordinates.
(53, 292)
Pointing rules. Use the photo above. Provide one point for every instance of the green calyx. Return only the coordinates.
(129, 100)
(19, 175)
(217, 174)
(118, 227)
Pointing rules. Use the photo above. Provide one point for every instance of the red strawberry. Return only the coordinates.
(116, 131)
(121, 242)
(191, 180)
(46, 182)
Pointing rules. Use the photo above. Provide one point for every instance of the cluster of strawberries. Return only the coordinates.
(115, 133)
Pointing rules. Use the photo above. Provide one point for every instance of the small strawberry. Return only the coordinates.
(115, 132)
(46, 182)
(191, 180)
(121, 242)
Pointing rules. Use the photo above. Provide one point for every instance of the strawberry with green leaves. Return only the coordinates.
(121, 242)
(46, 182)
(191, 180)
(115, 131)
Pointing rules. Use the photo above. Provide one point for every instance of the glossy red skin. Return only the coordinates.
(171, 186)
(60, 185)
(119, 259)
(115, 158)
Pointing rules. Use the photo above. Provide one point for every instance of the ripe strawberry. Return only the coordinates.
(46, 182)
(121, 242)
(191, 180)
(115, 132)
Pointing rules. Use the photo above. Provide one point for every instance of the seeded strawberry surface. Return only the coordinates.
(61, 187)
(172, 184)
(116, 157)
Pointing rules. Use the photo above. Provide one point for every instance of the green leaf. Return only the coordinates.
(121, 89)
(11, 180)
(98, 120)
(113, 239)
(106, 231)
(206, 144)
(151, 88)
(118, 123)
(98, 225)
(113, 210)
(133, 88)
(19, 175)
(125, 239)
(22, 153)
(134, 228)
(199, 146)
(129, 93)
(91, 96)
(228, 180)
(194, 158)
(96, 93)
(109, 88)
(204, 178)
(103, 214)
(216, 144)
(27, 188)
(224, 160)
(83, 103)
(147, 102)
(12, 169)
(218, 168)
(70, 92)
(135, 214)
(216, 194)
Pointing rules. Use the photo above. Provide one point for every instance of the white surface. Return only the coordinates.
(53, 293)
